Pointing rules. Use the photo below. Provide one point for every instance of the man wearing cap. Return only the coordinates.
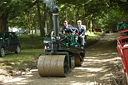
(67, 27)
(81, 28)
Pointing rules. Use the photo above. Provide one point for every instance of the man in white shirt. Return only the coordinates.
(81, 28)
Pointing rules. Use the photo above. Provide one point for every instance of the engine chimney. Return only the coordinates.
(55, 14)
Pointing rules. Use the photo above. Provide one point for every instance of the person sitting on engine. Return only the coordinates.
(123, 26)
(67, 27)
(81, 28)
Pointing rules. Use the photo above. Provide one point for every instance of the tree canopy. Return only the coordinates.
(35, 15)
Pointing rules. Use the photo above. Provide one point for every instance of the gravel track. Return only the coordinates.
(102, 66)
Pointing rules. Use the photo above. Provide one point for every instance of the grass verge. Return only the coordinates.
(92, 37)
(30, 49)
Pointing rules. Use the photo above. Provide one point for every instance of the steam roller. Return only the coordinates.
(62, 52)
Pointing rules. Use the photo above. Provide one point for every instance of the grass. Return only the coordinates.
(27, 42)
(26, 59)
(92, 36)
(31, 47)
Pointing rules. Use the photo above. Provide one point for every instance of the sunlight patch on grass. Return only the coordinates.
(27, 58)
(93, 33)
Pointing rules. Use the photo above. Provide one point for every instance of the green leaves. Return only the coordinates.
(103, 13)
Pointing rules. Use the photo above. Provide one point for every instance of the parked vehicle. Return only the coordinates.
(97, 30)
(23, 31)
(9, 43)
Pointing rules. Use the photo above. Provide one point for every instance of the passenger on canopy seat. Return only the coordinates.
(81, 28)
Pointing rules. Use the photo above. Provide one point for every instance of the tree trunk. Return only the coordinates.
(77, 15)
(35, 30)
(92, 24)
(44, 19)
(29, 30)
(4, 23)
(67, 13)
(39, 18)
(51, 21)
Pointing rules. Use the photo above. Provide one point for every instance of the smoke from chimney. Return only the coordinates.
(50, 4)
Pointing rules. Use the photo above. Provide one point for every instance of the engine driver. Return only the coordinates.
(67, 27)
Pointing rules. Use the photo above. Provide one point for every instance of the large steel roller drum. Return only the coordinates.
(53, 65)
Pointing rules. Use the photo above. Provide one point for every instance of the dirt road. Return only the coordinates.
(102, 66)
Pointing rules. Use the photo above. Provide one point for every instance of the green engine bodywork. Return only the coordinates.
(73, 42)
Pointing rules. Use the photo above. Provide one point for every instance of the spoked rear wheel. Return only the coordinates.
(79, 58)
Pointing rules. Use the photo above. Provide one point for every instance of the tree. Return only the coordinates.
(34, 14)
(10, 9)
